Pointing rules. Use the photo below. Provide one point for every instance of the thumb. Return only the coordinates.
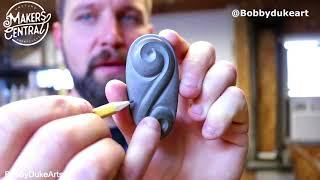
(117, 91)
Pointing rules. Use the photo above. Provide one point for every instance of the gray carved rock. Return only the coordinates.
(153, 80)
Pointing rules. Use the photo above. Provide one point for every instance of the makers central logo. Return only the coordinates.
(27, 23)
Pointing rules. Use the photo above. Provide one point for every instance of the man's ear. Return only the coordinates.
(57, 34)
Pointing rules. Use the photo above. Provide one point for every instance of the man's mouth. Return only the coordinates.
(108, 69)
(108, 63)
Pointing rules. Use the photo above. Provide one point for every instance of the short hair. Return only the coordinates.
(60, 5)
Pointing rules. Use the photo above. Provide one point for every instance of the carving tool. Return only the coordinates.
(110, 108)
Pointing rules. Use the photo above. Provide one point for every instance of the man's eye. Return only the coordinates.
(130, 19)
(86, 17)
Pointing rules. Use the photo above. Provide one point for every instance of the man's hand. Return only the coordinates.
(209, 139)
(55, 134)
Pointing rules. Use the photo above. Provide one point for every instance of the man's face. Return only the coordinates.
(95, 36)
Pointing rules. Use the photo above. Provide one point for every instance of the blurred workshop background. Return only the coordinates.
(278, 61)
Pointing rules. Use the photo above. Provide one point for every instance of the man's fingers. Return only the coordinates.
(239, 139)
(238, 127)
(99, 161)
(218, 78)
(117, 91)
(179, 45)
(55, 143)
(142, 139)
(141, 149)
(195, 60)
(199, 58)
(19, 120)
(230, 107)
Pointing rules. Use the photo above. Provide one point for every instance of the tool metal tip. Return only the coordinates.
(131, 104)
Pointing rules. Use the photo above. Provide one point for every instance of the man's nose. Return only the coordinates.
(111, 35)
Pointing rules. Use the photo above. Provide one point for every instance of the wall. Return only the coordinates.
(215, 26)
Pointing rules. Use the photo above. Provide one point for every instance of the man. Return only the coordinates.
(54, 134)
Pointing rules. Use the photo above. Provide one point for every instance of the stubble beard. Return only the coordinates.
(88, 87)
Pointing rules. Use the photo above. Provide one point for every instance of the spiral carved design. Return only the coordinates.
(152, 79)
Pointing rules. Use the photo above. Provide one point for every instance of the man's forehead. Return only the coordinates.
(101, 3)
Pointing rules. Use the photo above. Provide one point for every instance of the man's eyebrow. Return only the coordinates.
(83, 6)
(131, 8)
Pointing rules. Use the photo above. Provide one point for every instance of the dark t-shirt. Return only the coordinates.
(117, 136)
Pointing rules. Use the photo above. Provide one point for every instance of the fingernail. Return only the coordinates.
(165, 32)
(86, 107)
(150, 122)
(209, 132)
